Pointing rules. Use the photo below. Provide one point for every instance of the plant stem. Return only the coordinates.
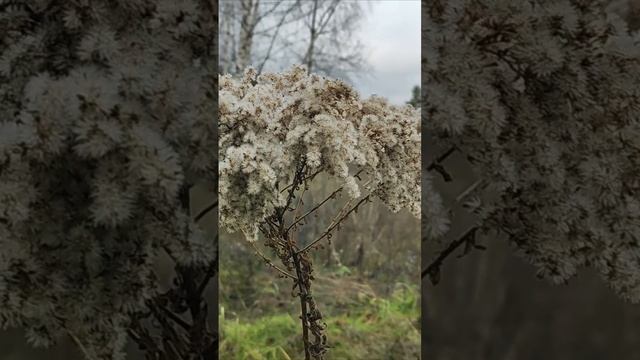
(279, 238)
(303, 301)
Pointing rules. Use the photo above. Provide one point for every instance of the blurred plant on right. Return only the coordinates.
(541, 97)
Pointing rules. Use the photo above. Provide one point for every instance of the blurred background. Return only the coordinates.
(13, 345)
(489, 305)
(366, 285)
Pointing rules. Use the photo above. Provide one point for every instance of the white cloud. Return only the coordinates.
(391, 34)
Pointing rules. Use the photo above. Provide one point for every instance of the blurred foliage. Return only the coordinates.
(489, 304)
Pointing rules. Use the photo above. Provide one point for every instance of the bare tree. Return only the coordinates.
(331, 46)
(246, 23)
(276, 34)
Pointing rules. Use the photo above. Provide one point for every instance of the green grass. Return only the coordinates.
(264, 338)
(372, 328)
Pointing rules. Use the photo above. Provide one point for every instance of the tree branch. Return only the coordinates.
(433, 270)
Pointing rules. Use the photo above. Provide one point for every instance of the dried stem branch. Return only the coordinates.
(303, 302)
(433, 270)
(435, 165)
(180, 339)
(270, 263)
(81, 346)
(281, 240)
(330, 228)
(204, 211)
(183, 324)
(297, 220)
(304, 179)
(211, 271)
(441, 158)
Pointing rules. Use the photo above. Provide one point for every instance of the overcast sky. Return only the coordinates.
(391, 35)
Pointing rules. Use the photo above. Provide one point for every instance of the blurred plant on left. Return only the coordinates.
(105, 128)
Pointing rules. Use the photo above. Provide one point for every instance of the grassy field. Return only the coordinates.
(360, 323)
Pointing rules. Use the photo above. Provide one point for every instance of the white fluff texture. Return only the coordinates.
(271, 125)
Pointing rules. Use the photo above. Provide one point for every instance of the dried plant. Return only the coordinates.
(278, 132)
(105, 125)
(542, 98)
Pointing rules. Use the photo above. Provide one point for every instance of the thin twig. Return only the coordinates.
(174, 317)
(435, 165)
(275, 35)
(209, 274)
(270, 263)
(469, 190)
(303, 179)
(296, 182)
(297, 220)
(434, 268)
(204, 211)
(80, 345)
(332, 195)
(441, 158)
(330, 228)
(298, 205)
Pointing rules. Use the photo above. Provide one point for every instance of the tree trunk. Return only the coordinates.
(227, 37)
(248, 8)
(312, 38)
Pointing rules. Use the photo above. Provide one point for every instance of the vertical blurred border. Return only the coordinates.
(423, 327)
